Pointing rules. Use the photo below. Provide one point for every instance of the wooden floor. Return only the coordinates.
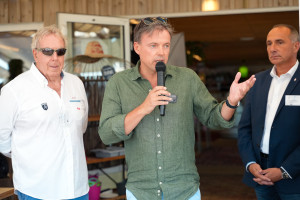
(221, 172)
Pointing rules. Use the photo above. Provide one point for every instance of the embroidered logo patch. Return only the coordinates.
(44, 106)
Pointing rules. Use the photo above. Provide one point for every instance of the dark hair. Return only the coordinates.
(294, 36)
(155, 25)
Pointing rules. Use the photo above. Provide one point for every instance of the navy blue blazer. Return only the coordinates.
(284, 147)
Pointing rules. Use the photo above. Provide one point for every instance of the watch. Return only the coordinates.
(284, 174)
(231, 106)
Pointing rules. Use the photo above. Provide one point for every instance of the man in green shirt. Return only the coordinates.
(159, 150)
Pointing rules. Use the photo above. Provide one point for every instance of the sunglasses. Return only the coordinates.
(151, 20)
(49, 52)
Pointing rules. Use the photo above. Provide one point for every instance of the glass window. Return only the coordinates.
(15, 49)
(96, 45)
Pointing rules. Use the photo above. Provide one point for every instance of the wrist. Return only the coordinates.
(231, 104)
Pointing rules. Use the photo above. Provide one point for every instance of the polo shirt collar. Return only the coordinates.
(40, 77)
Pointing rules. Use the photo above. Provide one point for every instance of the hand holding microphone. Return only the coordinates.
(158, 96)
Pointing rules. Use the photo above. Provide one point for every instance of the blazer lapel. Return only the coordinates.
(263, 100)
(289, 89)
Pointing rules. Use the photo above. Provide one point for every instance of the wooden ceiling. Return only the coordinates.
(226, 39)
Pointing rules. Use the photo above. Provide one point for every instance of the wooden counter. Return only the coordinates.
(6, 192)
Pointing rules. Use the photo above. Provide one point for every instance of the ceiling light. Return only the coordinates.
(197, 57)
(134, 21)
(210, 5)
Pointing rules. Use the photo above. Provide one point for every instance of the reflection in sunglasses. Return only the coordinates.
(49, 51)
(150, 20)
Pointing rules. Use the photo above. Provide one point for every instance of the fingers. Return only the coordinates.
(260, 175)
(274, 174)
(251, 81)
(262, 182)
(256, 170)
(237, 77)
(161, 91)
(159, 96)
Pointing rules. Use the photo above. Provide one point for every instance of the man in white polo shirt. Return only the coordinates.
(43, 115)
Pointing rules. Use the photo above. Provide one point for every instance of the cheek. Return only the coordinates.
(61, 60)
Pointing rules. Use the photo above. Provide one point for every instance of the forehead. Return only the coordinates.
(156, 36)
(51, 40)
(278, 33)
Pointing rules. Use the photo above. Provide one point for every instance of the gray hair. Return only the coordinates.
(48, 30)
(155, 25)
(294, 36)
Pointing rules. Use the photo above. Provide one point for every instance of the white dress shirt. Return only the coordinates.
(44, 133)
(277, 88)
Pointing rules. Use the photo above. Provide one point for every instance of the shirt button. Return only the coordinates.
(158, 135)
(160, 183)
(158, 191)
(159, 167)
(159, 152)
(157, 119)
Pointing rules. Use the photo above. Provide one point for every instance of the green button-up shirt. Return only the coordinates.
(160, 150)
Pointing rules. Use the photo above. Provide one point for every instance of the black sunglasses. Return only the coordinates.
(49, 52)
(150, 20)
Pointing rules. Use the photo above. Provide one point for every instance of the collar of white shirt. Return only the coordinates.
(290, 72)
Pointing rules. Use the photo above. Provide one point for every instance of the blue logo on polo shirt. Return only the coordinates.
(44, 106)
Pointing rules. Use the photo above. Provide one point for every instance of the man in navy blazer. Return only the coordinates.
(269, 130)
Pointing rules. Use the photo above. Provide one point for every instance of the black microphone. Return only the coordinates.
(160, 69)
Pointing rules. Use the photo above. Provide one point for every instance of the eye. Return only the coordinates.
(167, 46)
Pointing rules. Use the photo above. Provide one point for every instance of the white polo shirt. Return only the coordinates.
(44, 133)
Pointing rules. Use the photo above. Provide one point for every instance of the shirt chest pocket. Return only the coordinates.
(75, 109)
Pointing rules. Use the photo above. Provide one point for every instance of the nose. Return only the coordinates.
(272, 47)
(161, 50)
(54, 55)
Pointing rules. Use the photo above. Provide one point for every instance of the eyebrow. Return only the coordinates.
(277, 40)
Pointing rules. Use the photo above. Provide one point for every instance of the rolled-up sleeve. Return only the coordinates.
(111, 127)
(207, 108)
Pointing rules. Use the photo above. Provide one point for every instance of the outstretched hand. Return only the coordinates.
(239, 90)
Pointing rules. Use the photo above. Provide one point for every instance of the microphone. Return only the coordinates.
(160, 69)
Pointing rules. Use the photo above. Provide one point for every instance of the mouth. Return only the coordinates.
(54, 66)
(274, 57)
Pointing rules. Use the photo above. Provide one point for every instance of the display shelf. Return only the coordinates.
(6, 192)
(94, 118)
(94, 160)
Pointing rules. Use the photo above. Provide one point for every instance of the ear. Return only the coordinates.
(296, 46)
(34, 53)
(136, 48)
